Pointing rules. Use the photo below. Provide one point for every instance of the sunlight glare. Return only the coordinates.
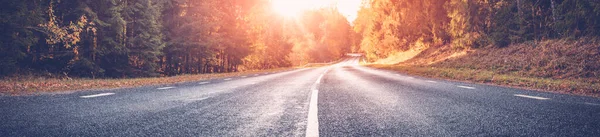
(288, 8)
(349, 8)
(293, 8)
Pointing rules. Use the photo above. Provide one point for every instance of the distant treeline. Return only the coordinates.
(133, 38)
(387, 26)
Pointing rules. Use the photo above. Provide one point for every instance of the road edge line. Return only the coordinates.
(97, 95)
(531, 97)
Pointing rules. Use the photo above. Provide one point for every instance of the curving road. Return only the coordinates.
(344, 99)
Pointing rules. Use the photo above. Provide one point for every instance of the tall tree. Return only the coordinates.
(18, 40)
(143, 35)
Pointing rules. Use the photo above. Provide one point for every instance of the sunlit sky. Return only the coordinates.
(291, 8)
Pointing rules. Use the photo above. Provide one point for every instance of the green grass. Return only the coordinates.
(579, 87)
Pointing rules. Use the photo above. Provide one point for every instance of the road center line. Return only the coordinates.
(163, 88)
(202, 83)
(97, 95)
(312, 124)
(466, 87)
(532, 97)
(319, 80)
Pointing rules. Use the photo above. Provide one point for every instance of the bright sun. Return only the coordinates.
(293, 8)
(289, 8)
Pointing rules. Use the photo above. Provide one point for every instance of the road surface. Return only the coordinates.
(344, 99)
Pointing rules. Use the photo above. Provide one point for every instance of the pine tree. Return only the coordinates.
(18, 38)
(144, 38)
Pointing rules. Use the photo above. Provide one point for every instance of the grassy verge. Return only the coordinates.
(33, 85)
(578, 87)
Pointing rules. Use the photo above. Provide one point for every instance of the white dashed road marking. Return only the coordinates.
(97, 95)
(243, 76)
(466, 87)
(163, 88)
(319, 79)
(256, 74)
(227, 79)
(431, 81)
(532, 97)
(312, 125)
(593, 104)
(202, 83)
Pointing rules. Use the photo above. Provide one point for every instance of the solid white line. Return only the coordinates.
(312, 125)
(227, 79)
(202, 83)
(163, 88)
(532, 97)
(467, 87)
(97, 95)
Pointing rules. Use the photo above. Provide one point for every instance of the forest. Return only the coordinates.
(147, 38)
(388, 26)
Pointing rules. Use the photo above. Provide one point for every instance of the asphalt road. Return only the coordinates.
(344, 99)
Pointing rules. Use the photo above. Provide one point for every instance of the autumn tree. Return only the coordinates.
(389, 26)
(139, 38)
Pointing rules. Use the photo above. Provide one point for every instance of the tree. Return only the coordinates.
(138, 38)
(18, 39)
(143, 36)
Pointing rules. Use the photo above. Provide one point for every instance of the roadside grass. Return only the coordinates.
(565, 65)
(29, 85)
(578, 87)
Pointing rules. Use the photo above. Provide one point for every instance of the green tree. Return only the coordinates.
(18, 39)
(143, 36)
